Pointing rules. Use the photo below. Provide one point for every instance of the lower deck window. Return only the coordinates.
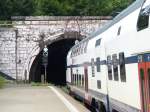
(122, 67)
(82, 80)
(109, 72)
(115, 67)
(92, 67)
(116, 73)
(98, 64)
(109, 67)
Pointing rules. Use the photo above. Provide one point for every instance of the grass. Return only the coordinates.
(40, 84)
(2, 82)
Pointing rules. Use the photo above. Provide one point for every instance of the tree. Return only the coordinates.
(10, 8)
(22, 7)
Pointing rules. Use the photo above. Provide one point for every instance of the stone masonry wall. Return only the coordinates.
(21, 44)
(7, 51)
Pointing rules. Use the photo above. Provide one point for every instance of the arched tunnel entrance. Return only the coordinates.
(56, 69)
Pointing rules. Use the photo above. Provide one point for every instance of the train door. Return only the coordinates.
(144, 78)
(87, 96)
(86, 78)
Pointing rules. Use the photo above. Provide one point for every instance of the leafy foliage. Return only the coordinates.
(2, 82)
(10, 8)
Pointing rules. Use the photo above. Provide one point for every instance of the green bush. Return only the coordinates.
(40, 84)
(2, 82)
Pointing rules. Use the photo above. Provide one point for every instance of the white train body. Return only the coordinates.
(112, 67)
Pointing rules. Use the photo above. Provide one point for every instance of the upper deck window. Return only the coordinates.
(79, 49)
(98, 42)
(143, 20)
(119, 31)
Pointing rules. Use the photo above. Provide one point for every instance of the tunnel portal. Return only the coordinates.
(56, 69)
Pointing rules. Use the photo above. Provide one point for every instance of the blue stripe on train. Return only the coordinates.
(132, 59)
(128, 60)
(139, 58)
(146, 57)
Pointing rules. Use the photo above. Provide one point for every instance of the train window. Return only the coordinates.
(79, 80)
(98, 64)
(122, 67)
(79, 49)
(92, 67)
(115, 67)
(85, 46)
(82, 80)
(73, 52)
(82, 48)
(97, 42)
(76, 79)
(119, 31)
(98, 84)
(143, 20)
(73, 79)
(109, 67)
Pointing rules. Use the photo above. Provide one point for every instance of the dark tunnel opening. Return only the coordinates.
(56, 68)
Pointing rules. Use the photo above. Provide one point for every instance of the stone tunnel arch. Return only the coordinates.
(27, 35)
(56, 71)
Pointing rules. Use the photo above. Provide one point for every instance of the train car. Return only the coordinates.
(110, 69)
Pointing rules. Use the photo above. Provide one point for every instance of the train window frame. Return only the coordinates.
(115, 67)
(98, 42)
(98, 64)
(122, 67)
(93, 67)
(109, 65)
(143, 19)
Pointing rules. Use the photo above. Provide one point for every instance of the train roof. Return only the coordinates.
(135, 5)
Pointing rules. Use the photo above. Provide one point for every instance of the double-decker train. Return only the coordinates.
(110, 69)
